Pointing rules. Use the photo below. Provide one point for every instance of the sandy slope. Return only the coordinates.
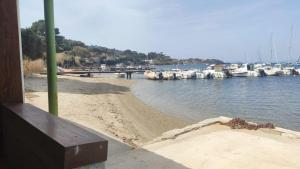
(105, 105)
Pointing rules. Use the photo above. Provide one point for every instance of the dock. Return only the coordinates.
(88, 73)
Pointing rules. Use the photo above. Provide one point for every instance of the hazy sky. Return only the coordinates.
(231, 30)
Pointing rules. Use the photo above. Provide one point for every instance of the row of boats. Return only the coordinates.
(220, 71)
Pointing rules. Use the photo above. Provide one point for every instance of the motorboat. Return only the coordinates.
(246, 70)
(288, 70)
(273, 71)
(233, 67)
(215, 72)
(153, 75)
(189, 74)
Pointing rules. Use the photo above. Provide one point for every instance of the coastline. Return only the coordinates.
(153, 139)
(103, 104)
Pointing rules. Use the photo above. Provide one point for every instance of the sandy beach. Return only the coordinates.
(141, 137)
(105, 105)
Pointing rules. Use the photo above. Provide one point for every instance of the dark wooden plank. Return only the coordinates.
(10, 65)
(3, 164)
(48, 142)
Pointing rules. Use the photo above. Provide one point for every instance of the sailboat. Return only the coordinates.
(289, 69)
(269, 70)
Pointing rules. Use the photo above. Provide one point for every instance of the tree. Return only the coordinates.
(39, 27)
(33, 45)
(80, 51)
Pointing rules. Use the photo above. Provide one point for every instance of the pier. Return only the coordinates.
(88, 73)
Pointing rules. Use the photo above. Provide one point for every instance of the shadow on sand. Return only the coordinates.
(73, 86)
(122, 156)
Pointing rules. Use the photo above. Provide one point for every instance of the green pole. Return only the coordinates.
(51, 57)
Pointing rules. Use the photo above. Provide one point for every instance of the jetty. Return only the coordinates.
(89, 72)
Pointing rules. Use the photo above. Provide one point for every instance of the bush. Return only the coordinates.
(33, 66)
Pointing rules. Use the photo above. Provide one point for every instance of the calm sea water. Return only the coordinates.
(267, 99)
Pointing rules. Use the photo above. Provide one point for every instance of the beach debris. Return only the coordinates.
(238, 123)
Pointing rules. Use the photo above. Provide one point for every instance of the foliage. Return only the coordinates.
(38, 27)
(32, 44)
(80, 51)
(35, 66)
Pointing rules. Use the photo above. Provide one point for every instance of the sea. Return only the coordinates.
(256, 99)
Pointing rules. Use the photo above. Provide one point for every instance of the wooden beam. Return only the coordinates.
(11, 78)
(35, 139)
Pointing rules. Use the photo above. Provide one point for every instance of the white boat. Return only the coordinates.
(245, 71)
(169, 75)
(209, 71)
(233, 67)
(153, 75)
(200, 75)
(273, 71)
(215, 72)
(241, 71)
(120, 75)
(288, 70)
(189, 74)
(60, 70)
(219, 75)
(278, 69)
(177, 73)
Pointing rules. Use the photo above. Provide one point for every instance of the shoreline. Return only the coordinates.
(104, 104)
(141, 137)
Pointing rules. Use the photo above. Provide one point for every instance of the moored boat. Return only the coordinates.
(189, 74)
(273, 71)
(246, 70)
(153, 75)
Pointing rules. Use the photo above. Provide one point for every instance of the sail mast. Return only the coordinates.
(271, 48)
(290, 44)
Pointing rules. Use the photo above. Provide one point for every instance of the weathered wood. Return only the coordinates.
(11, 86)
(37, 140)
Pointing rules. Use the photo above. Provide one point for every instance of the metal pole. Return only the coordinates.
(51, 57)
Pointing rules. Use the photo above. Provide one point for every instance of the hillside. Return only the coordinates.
(76, 53)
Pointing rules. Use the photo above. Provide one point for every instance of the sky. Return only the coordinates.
(230, 30)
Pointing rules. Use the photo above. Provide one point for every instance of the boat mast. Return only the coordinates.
(275, 53)
(271, 49)
(259, 55)
(290, 45)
